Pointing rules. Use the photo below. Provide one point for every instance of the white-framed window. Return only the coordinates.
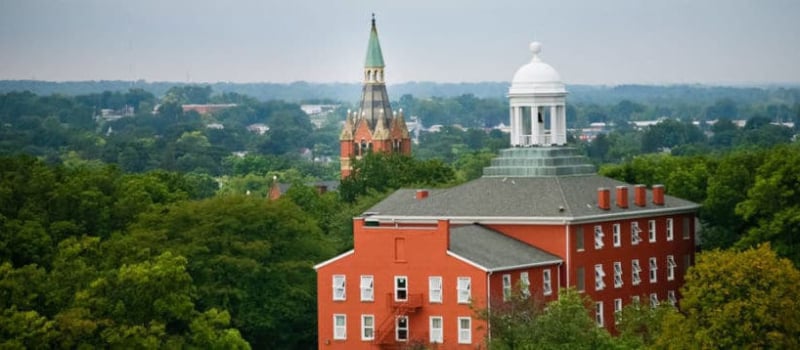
(401, 328)
(670, 229)
(654, 300)
(671, 297)
(598, 313)
(579, 238)
(599, 274)
(580, 279)
(339, 326)
(506, 287)
(339, 287)
(524, 284)
(367, 327)
(653, 270)
(598, 237)
(400, 288)
(686, 233)
(464, 290)
(651, 231)
(635, 233)
(436, 331)
(617, 274)
(671, 267)
(547, 282)
(687, 261)
(435, 289)
(465, 330)
(367, 288)
(617, 310)
(617, 235)
(636, 269)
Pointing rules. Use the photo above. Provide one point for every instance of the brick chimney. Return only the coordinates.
(603, 198)
(640, 195)
(622, 197)
(658, 194)
(421, 194)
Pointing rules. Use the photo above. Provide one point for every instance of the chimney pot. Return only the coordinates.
(658, 194)
(640, 195)
(622, 197)
(603, 198)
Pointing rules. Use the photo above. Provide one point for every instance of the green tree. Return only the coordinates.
(732, 299)
(773, 203)
(524, 323)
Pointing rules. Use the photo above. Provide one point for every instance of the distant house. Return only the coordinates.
(258, 128)
(215, 126)
(206, 108)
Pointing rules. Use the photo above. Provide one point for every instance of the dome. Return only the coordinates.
(536, 76)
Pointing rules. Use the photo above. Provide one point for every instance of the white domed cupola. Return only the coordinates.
(537, 76)
(537, 99)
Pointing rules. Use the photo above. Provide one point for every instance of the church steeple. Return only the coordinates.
(374, 127)
(374, 54)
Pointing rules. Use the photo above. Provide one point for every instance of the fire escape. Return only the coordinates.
(385, 336)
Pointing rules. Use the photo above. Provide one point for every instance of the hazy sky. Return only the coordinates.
(594, 42)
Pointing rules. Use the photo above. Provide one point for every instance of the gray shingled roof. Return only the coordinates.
(555, 197)
(495, 251)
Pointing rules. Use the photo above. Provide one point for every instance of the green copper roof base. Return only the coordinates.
(539, 162)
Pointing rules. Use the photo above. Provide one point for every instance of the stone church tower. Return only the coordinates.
(374, 127)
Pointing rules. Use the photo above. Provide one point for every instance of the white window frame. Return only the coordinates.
(671, 265)
(653, 300)
(670, 229)
(397, 328)
(617, 235)
(686, 227)
(367, 288)
(651, 231)
(618, 274)
(653, 270)
(436, 334)
(598, 237)
(579, 241)
(636, 270)
(617, 310)
(465, 333)
(339, 331)
(580, 279)
(598, 313)
(339, 287)
(398, 289)
(365, 327)
(636, 232)
(464, 288)
(599, 274)
(435, 289)
(506, 287)
(525, 284)
(547, 282)
(671, 297)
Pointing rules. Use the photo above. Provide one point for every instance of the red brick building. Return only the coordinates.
(540, 217)
(374, 127)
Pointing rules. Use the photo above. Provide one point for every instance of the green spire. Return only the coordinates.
(374, 54)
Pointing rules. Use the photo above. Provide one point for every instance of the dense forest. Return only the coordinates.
(154, 230)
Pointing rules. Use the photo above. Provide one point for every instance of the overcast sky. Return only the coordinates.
(588, 42)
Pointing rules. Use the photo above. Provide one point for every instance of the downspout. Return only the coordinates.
(569, 251)
(489, 305)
